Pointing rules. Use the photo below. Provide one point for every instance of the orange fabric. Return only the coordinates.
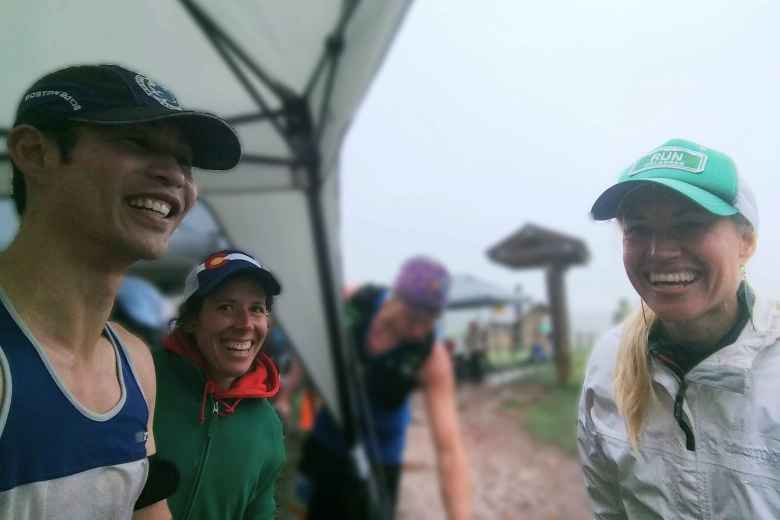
(306, 413)
(262, 380)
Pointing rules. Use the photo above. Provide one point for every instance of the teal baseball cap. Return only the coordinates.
(705, 176)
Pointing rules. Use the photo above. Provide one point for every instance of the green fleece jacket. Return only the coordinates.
(228, 463)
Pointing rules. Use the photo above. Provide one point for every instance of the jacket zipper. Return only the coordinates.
(690, 440)
(203, 459)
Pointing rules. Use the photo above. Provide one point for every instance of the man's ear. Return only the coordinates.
(31, 150)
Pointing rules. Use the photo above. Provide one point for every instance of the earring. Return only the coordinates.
(747, 295)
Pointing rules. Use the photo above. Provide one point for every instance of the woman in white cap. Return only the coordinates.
(213, 418)
(678, 416)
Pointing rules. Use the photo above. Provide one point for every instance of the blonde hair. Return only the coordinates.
(633, 383)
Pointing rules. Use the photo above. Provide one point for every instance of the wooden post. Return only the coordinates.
(556, 294)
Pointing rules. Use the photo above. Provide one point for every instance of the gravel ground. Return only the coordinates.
(514, 476)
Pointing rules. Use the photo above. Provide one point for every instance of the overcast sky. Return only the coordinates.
(489, 115)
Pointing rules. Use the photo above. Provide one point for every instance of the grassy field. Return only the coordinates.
(553, 417)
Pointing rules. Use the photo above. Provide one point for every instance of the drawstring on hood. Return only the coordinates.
(261, 381)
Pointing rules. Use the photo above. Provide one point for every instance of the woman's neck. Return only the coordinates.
(707, 330)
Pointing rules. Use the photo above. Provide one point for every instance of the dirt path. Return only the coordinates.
(514, 476)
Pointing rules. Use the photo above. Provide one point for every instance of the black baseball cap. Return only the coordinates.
(111, 95)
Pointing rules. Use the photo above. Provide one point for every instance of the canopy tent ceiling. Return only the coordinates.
(290, 76)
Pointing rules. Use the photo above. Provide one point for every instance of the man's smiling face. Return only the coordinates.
(127, 187)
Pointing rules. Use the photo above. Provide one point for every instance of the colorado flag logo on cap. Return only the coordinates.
(215, 261)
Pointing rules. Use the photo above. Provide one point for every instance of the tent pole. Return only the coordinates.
(212, 31)
(218, 45)
(253, 117)
(335, 47)
(349, 388)
(327, 52)
(299, 135)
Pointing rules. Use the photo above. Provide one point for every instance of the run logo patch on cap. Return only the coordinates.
(671, 157)
(707, 177)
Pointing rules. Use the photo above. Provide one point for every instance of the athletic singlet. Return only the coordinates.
(391, 377)
(59, 460)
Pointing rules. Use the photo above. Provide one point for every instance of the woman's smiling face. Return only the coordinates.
(231, 328)
(682, 260)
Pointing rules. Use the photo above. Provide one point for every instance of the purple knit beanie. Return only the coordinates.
(423, 282)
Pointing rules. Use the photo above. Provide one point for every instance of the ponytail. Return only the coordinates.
(633, 384)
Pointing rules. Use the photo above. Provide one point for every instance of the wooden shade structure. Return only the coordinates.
(533, 247)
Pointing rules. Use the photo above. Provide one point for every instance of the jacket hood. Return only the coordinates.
(261, 381)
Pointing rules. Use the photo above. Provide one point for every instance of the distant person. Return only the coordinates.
(294, 377)
(141, 308)
(392, 331)
(679, 416)
(476, 348)
(102, 159)
(213, 416)
(278, 347)
(449, 345)
(537, 354)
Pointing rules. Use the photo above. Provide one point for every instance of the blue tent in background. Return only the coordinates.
(468, 291)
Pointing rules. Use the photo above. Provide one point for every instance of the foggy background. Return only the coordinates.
(490, 115)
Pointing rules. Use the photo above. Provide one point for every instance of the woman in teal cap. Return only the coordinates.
(678, 416)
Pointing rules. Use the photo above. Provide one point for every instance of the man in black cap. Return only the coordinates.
(102, 177)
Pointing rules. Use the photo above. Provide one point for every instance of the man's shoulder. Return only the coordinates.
(140, 357)
(367, 294)
(363, 302)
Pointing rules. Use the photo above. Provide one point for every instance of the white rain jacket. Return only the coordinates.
(732, 405)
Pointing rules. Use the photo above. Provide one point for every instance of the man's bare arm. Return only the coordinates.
(454, 477)
(144, 370)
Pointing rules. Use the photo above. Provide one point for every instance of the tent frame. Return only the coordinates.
(294, 124)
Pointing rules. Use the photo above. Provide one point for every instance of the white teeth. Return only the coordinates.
(677, 278)
(156, 205)
(239, 345)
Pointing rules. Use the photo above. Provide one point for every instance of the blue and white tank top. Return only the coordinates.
(59, 460)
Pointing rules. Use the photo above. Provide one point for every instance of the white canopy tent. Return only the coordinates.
(290, 76)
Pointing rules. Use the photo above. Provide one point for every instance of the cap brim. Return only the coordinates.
(269, 281)
(214, 143)
(607, 205)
